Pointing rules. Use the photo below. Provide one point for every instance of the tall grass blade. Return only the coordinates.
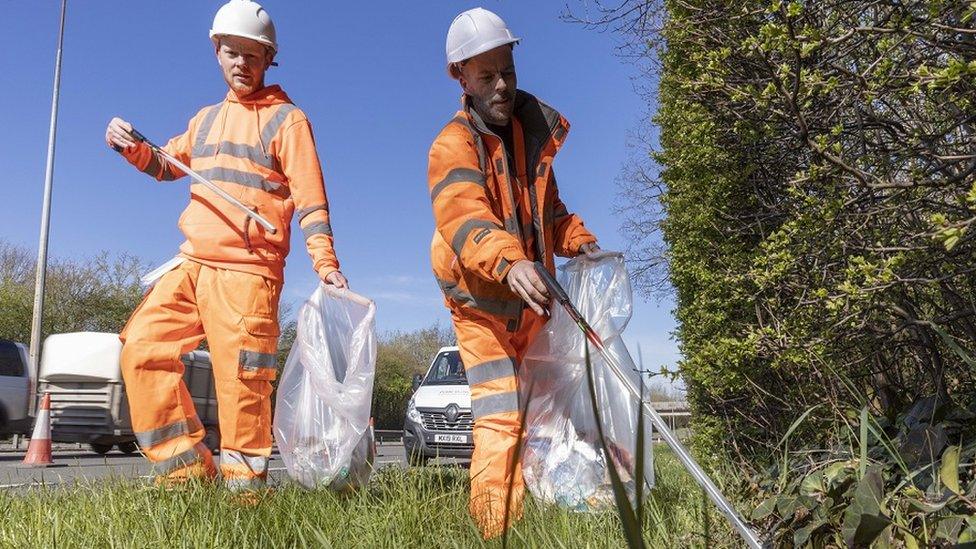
(628, 520)
(516, 459)
(863, 443)
(639, 464)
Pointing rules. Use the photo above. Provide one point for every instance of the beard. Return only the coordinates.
(493, 113)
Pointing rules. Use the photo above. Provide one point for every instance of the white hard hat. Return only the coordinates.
(246, 19)
(474, 32)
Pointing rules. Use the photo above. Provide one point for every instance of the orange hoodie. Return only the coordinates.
(259, 149)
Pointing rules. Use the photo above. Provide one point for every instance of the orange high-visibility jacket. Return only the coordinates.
(259, 149)
(478, 235)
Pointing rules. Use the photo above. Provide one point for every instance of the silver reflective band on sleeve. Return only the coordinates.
(188, 457)
(148, 439)
(461, 236)
(494, 404)
(458, 175)
(303, 212)
(277, 119)
(240, 177)
(501, 307)
(490, 371)
(320, 227)
(252, 360)
(203, 130)
(238, 150)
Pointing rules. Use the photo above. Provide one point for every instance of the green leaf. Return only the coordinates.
(950, 469)
(803, 534)
(968, 535)
(811, 484)
(765, 508)
(863, 520)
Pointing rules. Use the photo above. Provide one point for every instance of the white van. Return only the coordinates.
(81, 372)
(16, 386)
(439, 420)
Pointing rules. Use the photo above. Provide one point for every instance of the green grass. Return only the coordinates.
(424, 507)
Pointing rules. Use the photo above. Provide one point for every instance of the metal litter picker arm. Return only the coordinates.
(206, 183)
(559, 294)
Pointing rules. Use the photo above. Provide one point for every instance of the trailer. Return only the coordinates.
(81, 372)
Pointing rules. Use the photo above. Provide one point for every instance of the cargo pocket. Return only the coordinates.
(259, 349)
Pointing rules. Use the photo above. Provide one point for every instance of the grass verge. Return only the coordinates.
(421, 507)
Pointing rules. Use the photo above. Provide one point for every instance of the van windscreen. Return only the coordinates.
(447, 370)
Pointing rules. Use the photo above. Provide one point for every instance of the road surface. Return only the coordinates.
(80, 464)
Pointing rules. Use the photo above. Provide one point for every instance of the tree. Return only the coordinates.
(91, 294)
(816, 178)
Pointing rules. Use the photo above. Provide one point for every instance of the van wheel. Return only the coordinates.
(101, 448)
(212, 439)
(128, 448)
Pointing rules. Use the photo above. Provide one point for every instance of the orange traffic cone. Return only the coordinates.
(39, 450)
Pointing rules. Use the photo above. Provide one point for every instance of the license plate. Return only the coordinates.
(457, 439)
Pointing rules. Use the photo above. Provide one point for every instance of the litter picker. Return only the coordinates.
(689, 462)
(206, 182)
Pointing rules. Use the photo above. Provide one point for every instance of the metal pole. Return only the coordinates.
(35, 342)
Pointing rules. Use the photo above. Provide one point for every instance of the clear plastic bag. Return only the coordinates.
(321, 421)
(563, 461)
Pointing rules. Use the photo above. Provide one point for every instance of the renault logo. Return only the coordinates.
(451, 413)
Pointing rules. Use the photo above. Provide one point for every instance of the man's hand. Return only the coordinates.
(117, 134)
(337, 279)
(524, 281)
(590, 249)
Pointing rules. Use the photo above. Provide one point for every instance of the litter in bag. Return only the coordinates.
(321, 421)
(563, 461)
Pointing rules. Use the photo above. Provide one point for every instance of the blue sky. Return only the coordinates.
(371, 78)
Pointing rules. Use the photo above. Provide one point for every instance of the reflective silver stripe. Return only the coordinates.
(242, 484)
(457, 175)
(501, 307)
(303, 212)
(461, 236)
(238, 150)
(502, 265)
(319, 227)
(148, 439)
(498, 403)
(240, 177)
(277, 119)
(203, 130)
(188, 457)
(253, 360)
(257, 465)
(490, 371)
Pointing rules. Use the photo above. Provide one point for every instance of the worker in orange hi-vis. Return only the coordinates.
(496, 210)
(257, 146)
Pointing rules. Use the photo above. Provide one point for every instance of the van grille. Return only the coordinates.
(435, 420)
(74, 408)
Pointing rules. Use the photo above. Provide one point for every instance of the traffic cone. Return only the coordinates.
(39, 450)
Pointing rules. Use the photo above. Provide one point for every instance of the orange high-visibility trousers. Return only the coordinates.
(491, 354)
(238, 314)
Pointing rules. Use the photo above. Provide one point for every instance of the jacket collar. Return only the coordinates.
(540, 123)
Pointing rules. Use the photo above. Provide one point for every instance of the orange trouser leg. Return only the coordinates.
(490, 355)
(164, 326)
(239, 312)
